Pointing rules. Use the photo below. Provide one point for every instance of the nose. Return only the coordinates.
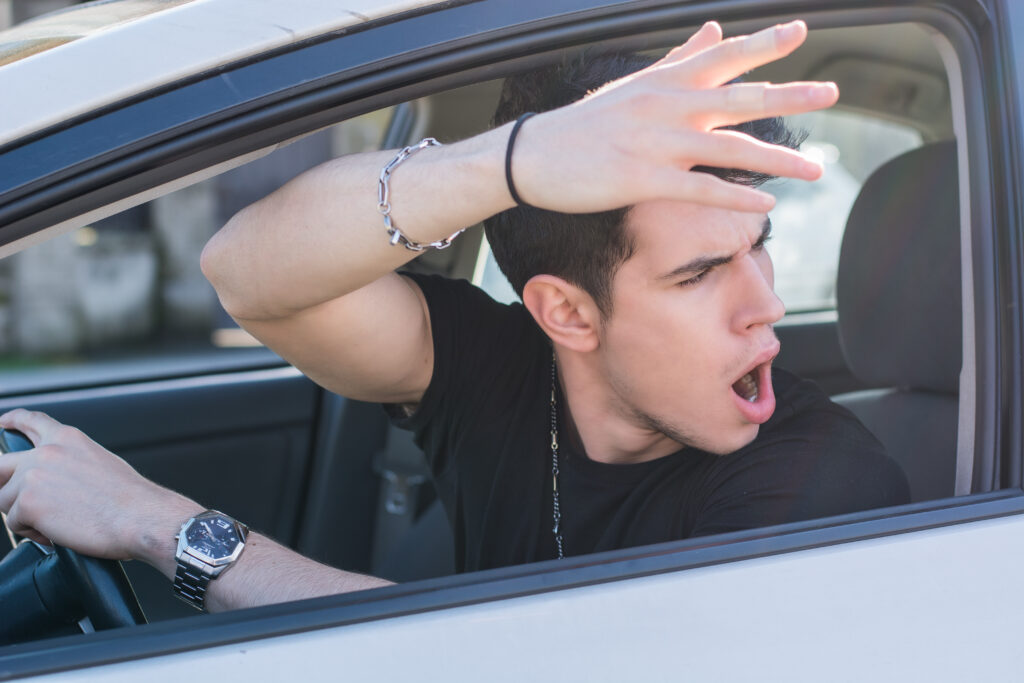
(757, 303)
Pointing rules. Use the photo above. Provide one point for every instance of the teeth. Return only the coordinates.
(747, 387)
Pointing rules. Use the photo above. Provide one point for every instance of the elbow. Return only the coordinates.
(209, 260)
(215, 262)
(211, 264)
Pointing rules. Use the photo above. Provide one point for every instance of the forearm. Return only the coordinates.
(320, 236)
(70, 491)
(265, 573)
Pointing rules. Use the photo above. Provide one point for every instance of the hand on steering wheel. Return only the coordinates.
(42, 590)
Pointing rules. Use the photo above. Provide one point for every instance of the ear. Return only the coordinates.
(566, 313)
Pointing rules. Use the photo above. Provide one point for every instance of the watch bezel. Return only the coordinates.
(185, 549)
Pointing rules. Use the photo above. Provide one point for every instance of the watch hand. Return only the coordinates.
(207, 527)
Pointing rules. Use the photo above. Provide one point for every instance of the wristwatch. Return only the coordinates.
(208, 545)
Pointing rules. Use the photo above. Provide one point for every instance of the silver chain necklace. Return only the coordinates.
(556, 509)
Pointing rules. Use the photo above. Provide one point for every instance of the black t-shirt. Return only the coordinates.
(484, 423)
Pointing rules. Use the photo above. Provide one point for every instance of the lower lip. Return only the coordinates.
(758, 412)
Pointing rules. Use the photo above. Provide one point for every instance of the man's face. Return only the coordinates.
(689, 344)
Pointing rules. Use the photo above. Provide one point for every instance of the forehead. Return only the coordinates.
(668, 234)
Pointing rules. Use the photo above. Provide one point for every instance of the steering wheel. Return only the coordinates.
(43, 590)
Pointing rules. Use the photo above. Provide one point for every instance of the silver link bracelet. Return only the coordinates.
(384, 201)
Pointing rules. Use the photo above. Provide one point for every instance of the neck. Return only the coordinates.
(609, 431)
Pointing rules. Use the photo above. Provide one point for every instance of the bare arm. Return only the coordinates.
(308, 270)
(266, 572)
(73, 492)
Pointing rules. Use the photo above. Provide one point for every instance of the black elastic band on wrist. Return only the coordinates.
(508, 158)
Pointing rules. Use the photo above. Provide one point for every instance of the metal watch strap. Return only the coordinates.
(191, 582)
(193, 574)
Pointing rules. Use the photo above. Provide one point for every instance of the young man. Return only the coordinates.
(630, 399)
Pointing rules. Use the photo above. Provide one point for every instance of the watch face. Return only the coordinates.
(213, 536)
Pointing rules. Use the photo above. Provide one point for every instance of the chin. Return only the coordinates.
(731, 443)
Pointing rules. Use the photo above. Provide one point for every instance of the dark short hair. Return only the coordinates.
(584, 249)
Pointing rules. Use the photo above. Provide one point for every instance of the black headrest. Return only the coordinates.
(898, 286)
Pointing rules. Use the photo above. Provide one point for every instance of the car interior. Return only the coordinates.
(903, 386)
(331, 478)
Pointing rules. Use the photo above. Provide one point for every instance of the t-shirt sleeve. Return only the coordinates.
(824, 463)
(473, 336)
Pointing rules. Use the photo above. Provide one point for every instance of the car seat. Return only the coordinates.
(898, 298)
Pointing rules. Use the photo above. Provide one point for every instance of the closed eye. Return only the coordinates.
(766, 234)
(702, 266)
(759, 244)
(696, 278)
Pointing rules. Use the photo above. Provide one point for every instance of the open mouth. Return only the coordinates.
(746, 386)
(754, 395)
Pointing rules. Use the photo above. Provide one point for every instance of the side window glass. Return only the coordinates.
(809, 217)
(130, 285)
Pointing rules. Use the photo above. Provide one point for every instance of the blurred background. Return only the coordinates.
(131, 283)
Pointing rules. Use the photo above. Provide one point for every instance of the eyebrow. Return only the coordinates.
(702, 263)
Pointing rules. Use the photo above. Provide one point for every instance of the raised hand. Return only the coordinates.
(638, 138)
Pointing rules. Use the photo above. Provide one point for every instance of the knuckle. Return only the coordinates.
(735, 46)
(32, 480)
(648, 139)
(707, 189)
(745, 97)
(736, 147)
(647, 101)
(25, 509)
(699, 109)
(67, 434)
(47, 454)
(14, 522)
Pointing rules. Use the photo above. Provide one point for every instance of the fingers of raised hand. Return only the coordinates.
(730, 149)
(740, 102)
(708, 190)
(728, 59)
(708, 35)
